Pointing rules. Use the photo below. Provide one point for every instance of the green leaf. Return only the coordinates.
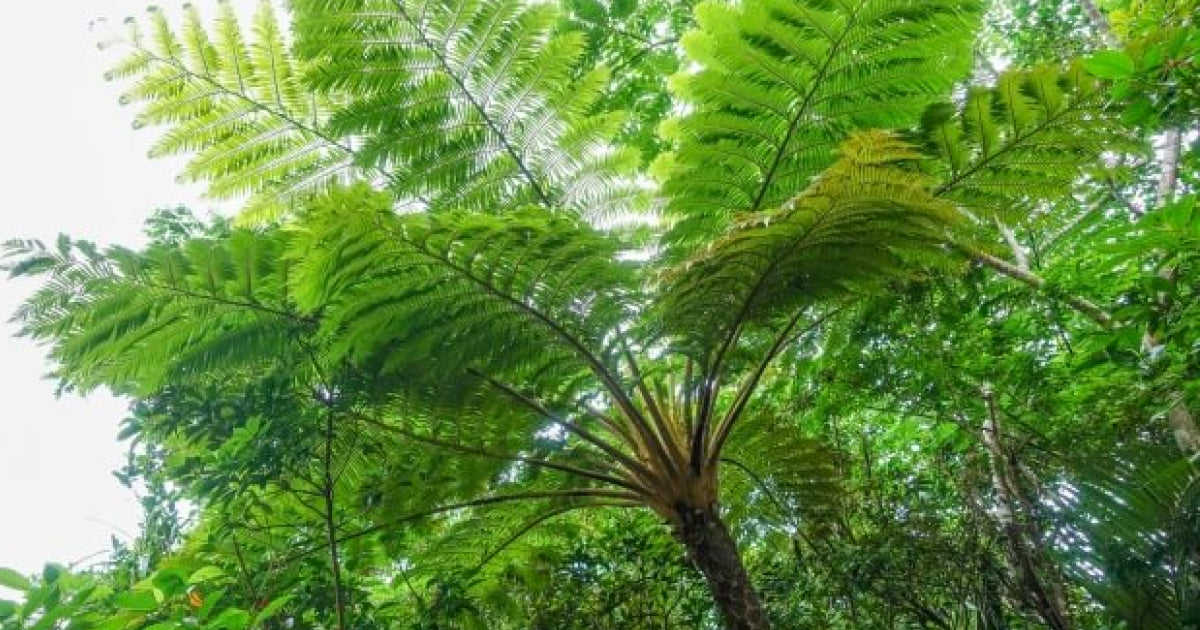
(137, 601)
(170, 581)
(270, 610)
(210, 603)
(204, 574)
(1141, 112)
(1153, 58)
(776, 84)
(1110, 64)
(622, 8)
(51, 572)
(590, 10)
(14, 580)
(230, 619)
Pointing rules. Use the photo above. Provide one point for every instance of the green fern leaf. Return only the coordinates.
(780, 84)
(478, 104)
(236, 104)
(443, 293)
(864, 220)
(1024, 141)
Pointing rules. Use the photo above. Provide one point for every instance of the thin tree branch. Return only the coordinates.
(339, 602)
(1082, 305)
(242, 570)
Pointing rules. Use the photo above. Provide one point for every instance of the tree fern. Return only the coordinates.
(781, 84)
(441, 284)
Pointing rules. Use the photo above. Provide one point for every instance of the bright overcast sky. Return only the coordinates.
(69, 162)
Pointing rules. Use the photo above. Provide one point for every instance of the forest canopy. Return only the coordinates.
(609, 314)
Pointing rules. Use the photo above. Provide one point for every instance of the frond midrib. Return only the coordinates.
(1018, 141)
(542, 196)
(803, 110)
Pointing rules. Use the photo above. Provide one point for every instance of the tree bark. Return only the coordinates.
(715, 554)
(1103, 30)
(335, 563)
(1179, 416)
(1037, 577)
(1082, 305)
(1168, 180)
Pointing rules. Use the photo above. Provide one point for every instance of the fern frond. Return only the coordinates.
(864, 220)
(782, 83)
(1025, 140)
(236, 104)
(475, 104)
(529, 294)
(472, 543)
(777, 476)
(136, 321)
(1133, 529)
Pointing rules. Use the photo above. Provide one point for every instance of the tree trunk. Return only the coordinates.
(714, 552)
(1179, 417)
(1040, 586)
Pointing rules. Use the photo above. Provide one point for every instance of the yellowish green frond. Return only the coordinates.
(864, 220)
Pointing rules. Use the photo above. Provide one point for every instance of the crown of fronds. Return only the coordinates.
(782, 83)
(486, 324)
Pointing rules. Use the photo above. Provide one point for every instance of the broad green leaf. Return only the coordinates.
(204, 574)
(170, 581)
(270, 610)
(1110, 64)
(210, 601)
(230, 619)
(51, 572)
(138, 601)
(14, 580)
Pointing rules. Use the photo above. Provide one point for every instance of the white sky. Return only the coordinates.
(69, 162)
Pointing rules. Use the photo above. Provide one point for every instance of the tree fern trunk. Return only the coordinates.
(714, 552)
